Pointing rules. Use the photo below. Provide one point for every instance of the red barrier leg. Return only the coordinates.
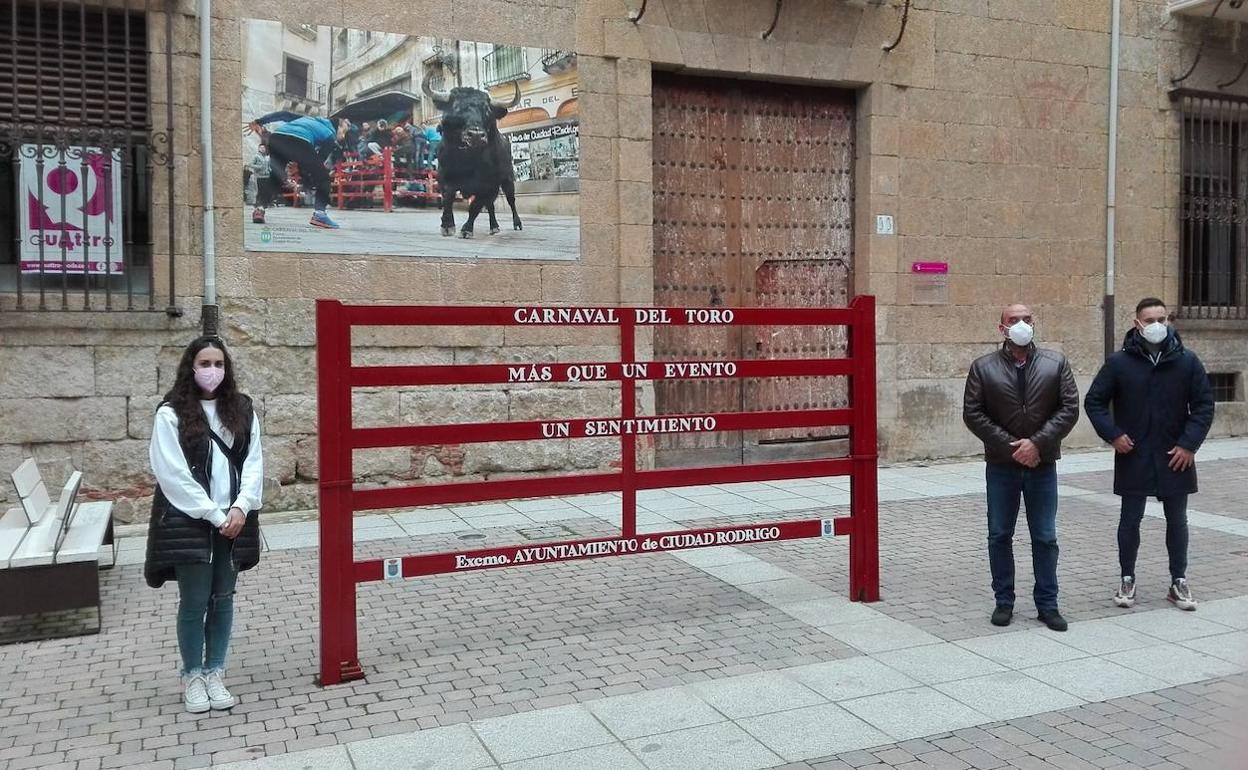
(628, 443)
(864, 547)
(339, 656)
(387, 183)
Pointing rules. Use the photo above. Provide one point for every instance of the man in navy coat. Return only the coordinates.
(1152, 401)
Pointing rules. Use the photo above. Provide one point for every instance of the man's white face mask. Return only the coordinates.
(1155, 332)
(1021, 334)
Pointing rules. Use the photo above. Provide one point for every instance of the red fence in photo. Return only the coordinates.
(340, 499)
(383, 175)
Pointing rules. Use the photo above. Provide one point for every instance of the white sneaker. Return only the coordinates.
(1126, 592)
(1181, 595)
(195, 693)
(218, 697)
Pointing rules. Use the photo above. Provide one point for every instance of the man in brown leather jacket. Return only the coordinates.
(1021, 401)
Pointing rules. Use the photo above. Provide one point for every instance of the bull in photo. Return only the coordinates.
(474, 159)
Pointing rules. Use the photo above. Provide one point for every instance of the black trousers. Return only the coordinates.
(266, 190)
(285, 149)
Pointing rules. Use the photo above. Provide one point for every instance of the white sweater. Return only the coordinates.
(183, 491)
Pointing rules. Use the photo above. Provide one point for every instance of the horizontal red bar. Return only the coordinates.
(481, 491)
(476, 374)
(730, 474)
(467, 315)
(551, 486)
(575, 550)
(598, 427)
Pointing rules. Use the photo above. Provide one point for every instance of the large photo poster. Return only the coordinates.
(366, 142)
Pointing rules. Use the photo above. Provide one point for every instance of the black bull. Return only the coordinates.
(474, 159)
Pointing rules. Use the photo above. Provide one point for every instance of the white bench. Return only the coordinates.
(50, 551)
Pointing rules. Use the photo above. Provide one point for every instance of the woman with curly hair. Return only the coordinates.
(206, 457)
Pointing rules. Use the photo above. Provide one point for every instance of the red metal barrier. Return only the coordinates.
(339, 499)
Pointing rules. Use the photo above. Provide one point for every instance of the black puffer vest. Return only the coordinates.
(174, 538)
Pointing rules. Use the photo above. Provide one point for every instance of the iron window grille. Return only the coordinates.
(295, 85)
(1213, 206)
(81, 160)
(505, 64)
(1225, 386)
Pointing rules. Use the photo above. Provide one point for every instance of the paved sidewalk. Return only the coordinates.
(745, 657)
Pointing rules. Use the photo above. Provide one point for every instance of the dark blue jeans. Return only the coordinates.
(1037, 487)
(206, 609)
(1176, 533)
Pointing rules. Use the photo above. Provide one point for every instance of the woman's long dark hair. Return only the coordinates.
(185, 393)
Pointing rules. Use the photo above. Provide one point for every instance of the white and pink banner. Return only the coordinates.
(71, 210)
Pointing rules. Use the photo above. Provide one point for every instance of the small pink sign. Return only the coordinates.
(929, 267)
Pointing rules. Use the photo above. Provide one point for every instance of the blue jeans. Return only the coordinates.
(1037, 487)
(206, 609)
(1176, 533)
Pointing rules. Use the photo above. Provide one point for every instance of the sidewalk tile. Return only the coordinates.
(894, 495)
(935, 663)
(1020, 649)
(562, 513)
(453, 748)
(327, 758)
(613, 756)
(814, 731)
(656, 711)
(1174, 664)
(1228, 612)
(386, 531)
(368, 522)
(754, 694)
(279, 541)
(541, 504)
(851, 678)
(467, 512)
(744, 508)
(538, 733)
(1065, 491)
(1101, 637)
(1095, 679)
(777, 592)
(713, 498)
(723, 746)
(880, 635)
(1172, 625)
(421, 515)
(417, 527)
(914, 713)
(1232, 647)
(1008, 695)
(512, 519)
(740, 574)
(830, 611)
(716, 556)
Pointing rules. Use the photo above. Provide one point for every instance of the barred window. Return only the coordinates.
(79, 157)
(1213, 239)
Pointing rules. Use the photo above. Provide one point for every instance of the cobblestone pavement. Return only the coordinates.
(1219, 487)
(727, 657)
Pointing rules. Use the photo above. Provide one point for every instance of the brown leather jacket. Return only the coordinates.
(1045, 412)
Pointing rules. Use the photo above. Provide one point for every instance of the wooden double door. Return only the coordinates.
(753, 207)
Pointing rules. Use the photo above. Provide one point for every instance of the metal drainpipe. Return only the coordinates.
(209, 317)
(1111, 192)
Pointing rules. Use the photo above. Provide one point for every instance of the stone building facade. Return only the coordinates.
(983, 134)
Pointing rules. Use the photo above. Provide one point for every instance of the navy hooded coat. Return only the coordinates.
(1160, 401)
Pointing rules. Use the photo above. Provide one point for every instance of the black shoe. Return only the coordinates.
(1053, 619)
(1002, 615)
